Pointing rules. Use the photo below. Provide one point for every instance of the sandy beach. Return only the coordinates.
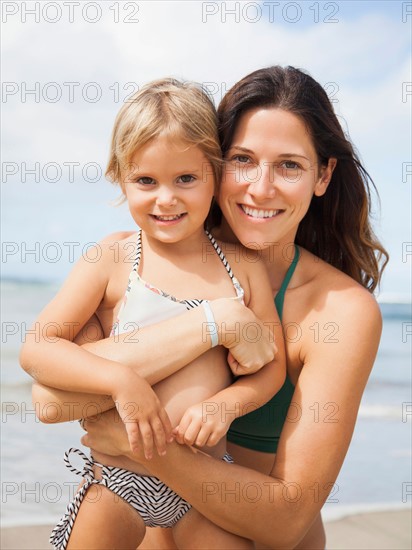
(385, 530)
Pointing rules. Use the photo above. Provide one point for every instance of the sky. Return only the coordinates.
(68, 66)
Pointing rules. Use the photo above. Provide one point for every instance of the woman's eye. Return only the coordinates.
(243, 159)
(145, 180)
(290, 165)
(186, 178)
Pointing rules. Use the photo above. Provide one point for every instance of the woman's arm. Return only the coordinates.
(313, 443)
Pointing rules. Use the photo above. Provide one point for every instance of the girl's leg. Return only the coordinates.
(315, 538)
(158, 538)
(195, 532)
(105, 521)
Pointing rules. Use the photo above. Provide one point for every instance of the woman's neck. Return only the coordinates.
(277, 257)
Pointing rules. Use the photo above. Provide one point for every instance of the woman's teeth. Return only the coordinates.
(257, 213)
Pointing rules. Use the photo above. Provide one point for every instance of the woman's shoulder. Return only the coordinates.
(330, 291)
(334, 317)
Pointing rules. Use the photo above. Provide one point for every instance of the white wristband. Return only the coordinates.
(211, 325)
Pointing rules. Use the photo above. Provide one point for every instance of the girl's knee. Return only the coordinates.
(105, 520)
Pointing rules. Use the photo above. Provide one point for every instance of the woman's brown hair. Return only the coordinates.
(337, 225)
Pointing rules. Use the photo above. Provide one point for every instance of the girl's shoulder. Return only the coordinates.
(118, 237)
(119, 244)
(114, 254)
(247, 266)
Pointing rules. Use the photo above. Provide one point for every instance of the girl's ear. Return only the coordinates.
(325, 177)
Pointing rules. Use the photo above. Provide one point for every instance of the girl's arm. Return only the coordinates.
(207, 422)
(142, 353)
(53, 359)
(312, 447)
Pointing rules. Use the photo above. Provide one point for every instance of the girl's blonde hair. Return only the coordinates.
(182, 110)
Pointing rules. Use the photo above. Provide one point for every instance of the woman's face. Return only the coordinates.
(271, 173)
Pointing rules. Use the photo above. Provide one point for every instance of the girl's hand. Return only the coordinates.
(250, 342)
(146, 421)
(203, 424)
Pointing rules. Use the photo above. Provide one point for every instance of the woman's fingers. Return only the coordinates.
(167, 425)
(159, 436)
(106, 433)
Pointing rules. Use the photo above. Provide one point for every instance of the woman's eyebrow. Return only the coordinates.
(284, 155)
(240, 148)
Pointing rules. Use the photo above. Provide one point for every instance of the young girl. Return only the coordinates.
(166, 157)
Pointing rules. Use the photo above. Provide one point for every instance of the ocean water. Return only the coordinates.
(36, 486)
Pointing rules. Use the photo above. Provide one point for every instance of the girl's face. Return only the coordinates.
(169, 189)
(271, 173)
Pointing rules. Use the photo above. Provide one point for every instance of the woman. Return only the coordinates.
(290, 177)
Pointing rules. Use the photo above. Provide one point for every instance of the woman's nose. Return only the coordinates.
(262, 186)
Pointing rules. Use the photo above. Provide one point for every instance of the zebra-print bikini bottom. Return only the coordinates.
(156, 503)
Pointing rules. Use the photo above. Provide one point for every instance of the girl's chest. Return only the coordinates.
(115, 293)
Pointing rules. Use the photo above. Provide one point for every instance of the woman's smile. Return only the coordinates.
(259, 213)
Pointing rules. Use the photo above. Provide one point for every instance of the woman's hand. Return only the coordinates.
(106, 433)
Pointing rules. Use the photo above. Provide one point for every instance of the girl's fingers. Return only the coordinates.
(133, 435)
(191, 433)
(181, 429)
(234, 365)
(202, 437)
(147, 439)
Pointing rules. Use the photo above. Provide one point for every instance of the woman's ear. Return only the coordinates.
(325, 177)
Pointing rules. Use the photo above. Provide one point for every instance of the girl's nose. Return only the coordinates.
(166, 197)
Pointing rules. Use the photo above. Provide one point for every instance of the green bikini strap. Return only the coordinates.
(280, 296)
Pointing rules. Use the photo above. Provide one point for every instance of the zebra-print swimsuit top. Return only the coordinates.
(144, 304)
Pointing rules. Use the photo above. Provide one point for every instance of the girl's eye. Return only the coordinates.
(186, 178)
(145, 180)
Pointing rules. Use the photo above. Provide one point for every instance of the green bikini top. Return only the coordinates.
(260, 429)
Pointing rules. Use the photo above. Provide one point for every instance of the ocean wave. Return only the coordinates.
(394, 298)
(396, 310)
(380, 411)
(9, 282)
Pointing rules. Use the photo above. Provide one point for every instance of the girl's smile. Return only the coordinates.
(169, 189)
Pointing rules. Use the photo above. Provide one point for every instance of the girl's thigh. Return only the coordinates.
(105, 521)
(315, 538)
(195, 532)
(158, 538)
